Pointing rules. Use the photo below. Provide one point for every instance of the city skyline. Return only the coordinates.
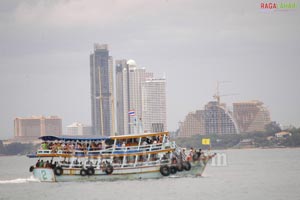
(44, 64)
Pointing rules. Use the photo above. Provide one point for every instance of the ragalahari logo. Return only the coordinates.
(278, 6)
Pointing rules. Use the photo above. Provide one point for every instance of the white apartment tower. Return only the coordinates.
(78, 129)
(140, 99)
(129, 82)
(122, 96)
(154, 105)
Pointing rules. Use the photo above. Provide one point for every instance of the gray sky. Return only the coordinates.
(45, 47)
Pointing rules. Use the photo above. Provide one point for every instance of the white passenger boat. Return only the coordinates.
(142, 156)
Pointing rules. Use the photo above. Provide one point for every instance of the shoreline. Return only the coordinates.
(249, 148)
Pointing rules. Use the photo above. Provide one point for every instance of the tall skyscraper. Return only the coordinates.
(102, 100)
(122, 96)
(141, 99)
(129, 82)
(154, 105)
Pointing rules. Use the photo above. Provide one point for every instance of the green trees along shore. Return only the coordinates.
(265, 139)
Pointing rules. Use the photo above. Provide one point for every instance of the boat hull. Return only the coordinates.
(44, 174)
(134, 173)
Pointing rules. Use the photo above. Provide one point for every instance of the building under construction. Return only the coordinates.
(251, 116)
(193, 124)
(214, 119)
(218, 119)
(247, 117)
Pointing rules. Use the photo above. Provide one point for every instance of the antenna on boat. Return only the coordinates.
(141, 128)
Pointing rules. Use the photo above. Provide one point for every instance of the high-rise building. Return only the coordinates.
(141, 99)
(154, 105)
(251, 116)
(34, 127)
(129, 82)
(102, 100)
(122, 97)
(78, 129)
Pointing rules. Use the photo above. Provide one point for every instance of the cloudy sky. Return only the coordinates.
(45, 47)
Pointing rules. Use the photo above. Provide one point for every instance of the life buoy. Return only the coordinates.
(187, 166)
(173, 170)
(165, 170)
(83, 172)
(90, 171)
(58, 170)
(31, 168)
(109, 169)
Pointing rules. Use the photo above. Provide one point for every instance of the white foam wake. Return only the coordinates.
(19, 180)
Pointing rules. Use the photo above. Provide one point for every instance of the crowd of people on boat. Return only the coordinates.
(46, 164)
(193, 154)
(70, 146)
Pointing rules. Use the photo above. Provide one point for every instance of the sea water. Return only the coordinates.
(241, 174)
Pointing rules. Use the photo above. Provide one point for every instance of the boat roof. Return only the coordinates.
(75, 138)
(69, 138)
(139, 135)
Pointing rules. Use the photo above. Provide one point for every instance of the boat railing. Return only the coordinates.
(180, 152)
(44, 151)
(97, 164)
(63, 152)
(143, 163)
(111, 150)
(135, 149)
(78, 153)
(93, 152)
(156, 162)
(130, 149)
(51, 151)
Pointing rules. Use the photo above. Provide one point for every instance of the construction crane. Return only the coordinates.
(217, 95)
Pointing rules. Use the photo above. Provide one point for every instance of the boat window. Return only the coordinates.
(142, 158)
(154, 157)
(130, 159)
(118, 160)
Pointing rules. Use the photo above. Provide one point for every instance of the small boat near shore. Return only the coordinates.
(126, 157)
